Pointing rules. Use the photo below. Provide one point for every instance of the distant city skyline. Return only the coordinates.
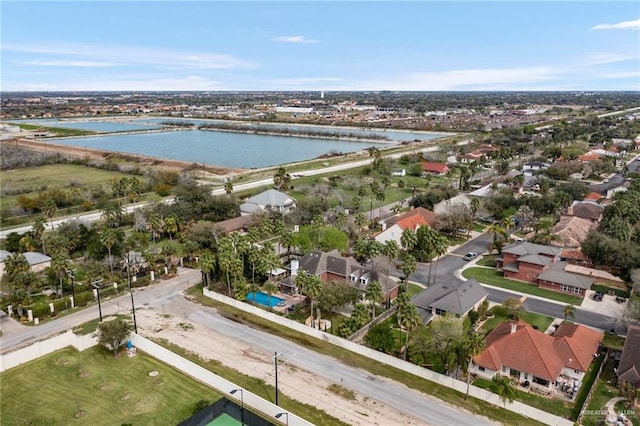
(324, 46)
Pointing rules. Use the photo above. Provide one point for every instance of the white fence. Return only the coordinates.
(45, 347)
(516, 407)
(213, 380)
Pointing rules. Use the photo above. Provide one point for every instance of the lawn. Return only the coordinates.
(550, 405)
(414, 289)
(538, 321)
(495, 278)
(94, 388)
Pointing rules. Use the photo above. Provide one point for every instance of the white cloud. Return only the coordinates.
(62, 63)
(473, 79)
(609, 58)
(296, 39)
(626, 25)
(142, 83)
(131, 55)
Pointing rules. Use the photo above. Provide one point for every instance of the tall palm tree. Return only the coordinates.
(49, 209)
(409, 320)
(311, 286)
(473, 345)
(155, 225)
(171, 226)
(408, 267)
(60, 265)
(499, 235)
(440, 247)
(38, 231)
(207, 264)
(109, 238)
(391, 251)
(360, 315)
(112, 214)
(475, 205)
(253, 288)
(374, 295)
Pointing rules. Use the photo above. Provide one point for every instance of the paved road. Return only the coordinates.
(449, 264)
(165, 297)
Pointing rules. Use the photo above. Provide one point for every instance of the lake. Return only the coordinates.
(221, 148)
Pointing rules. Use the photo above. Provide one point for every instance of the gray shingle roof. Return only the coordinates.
(629, 367)
(520, 248)
(4, 255)
(456, 298)
(561, 277)
(35, 258)
(535, 259)
(271, 197)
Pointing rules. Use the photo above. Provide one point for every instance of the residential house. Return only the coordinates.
(239, 224)
(457, 298)
(586, 209)
(588, 157)
(332, 266)
(571, 231)
(399, 172)
(594, 196)
(269, 199)
(628, 370)
(531, 357)
(539, 265)
(437, 169)
(37, 261)
(447, 206)
(413, 219)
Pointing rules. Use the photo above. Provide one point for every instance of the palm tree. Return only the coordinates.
(311, 286)
(569, 311)
(15, 264)
(155, 225)
(253, 289)
(269, 287)
(499, 235)
(408, 267)
(109, 238)
(504, 389)
(38, 231)
(112, 215)
(473, 345)
(508, 223)
(374, 295)
(391, 250)
(475, 205)
(207, 264)
(268, 261)
(409, 320)
(360, 315)
(440, 247)
(171, 226)
(49, 209)
(60, 265)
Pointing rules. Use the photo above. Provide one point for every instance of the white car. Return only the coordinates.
(470, 256)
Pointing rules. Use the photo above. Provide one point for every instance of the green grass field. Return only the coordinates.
(495, 278)
(32, 179)
(538, 321)
(94, 388)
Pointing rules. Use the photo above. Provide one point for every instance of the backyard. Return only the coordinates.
(94, 388)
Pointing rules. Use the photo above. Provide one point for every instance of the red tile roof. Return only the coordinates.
(428, 216)
(434, 167)
(531, 351)
(593, 196)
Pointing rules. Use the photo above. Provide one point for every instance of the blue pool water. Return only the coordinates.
(261, 298)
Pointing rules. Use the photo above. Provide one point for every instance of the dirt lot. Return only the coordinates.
(249, 360)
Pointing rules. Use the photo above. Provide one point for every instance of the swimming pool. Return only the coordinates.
(262, 298)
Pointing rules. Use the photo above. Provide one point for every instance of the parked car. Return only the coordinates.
(470, 256)
(597, 296)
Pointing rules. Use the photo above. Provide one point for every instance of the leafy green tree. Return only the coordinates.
(445, 335)
(360, 315)
(113, 335)
(228, 187)
(381, 338)
(513, 306)
(171, 226)
(337, 294)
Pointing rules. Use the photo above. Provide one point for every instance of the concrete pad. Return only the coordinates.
(608, 305)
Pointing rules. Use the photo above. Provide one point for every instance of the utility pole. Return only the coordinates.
(96, 285)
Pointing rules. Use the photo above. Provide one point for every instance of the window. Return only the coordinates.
(481, 368)
(576, 290)
(364, 281)
(565, 287)
(504, 369)
(353, 278)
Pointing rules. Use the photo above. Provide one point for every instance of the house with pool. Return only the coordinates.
(332, 266)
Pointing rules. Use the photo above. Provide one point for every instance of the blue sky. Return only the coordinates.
(328, 45)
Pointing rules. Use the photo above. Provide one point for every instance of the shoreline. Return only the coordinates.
(105, 155)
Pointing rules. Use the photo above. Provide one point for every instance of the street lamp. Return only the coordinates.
(241, 403)
(96, 285)
(277, 416)
(133, 306)
(73, 288)
(275, 364)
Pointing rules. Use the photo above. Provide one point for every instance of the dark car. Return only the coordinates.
(597, 296)
(470, 256)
